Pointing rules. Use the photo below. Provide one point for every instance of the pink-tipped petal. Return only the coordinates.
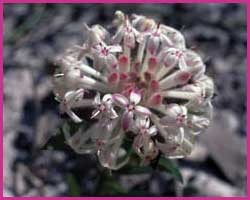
(152, 63)
(183, 77)
(97, 99)
(123, 60)
(155, 99)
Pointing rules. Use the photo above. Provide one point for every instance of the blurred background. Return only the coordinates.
(34, 34)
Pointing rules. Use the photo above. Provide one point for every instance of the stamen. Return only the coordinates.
(113, 78)
(147, 76)
(179, 94)
(58, 75)
(155, 99)
(152, 64)
(123, 63)
(177, 78)
(123, 76)
(154, 85)
(91, 71)
(90, 83)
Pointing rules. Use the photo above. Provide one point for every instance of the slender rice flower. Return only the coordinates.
(141, 80)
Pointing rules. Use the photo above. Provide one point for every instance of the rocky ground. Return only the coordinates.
(35, 34)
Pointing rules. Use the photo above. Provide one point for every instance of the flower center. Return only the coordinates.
(131, 107)
(104, 51)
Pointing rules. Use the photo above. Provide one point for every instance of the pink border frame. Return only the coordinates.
(122, 1)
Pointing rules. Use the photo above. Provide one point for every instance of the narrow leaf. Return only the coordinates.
(74, 189)
(170, 167)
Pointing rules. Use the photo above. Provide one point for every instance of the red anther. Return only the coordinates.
(147, 76)
(152, 63)
(113, 78)
(123, 76)
(183, 77)
(154, 85)
(155, 99)
(123, 60)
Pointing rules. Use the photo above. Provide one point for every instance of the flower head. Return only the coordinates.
(142, 80)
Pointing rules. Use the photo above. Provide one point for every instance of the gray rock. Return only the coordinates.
(226, 147)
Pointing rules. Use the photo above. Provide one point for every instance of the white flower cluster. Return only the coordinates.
(141, 81)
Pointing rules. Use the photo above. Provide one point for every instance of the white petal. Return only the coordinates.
(69, 96)
(142, 111)
(182, 63)
(120, 100)
(118, 36)
(115, 48)
(147, 122)
(166, 41)
(97, 99)
(142, 122)
(73, 116)
(153, 44)
(135, 97)
(107, 97)
(152, 130)
(112, 114)
(111, 62)
(168, 121)
(129, 40)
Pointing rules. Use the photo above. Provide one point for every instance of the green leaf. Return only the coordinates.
(74, 189)
(108, 185)
(130, 169)
(170, 167)
(56, 141)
